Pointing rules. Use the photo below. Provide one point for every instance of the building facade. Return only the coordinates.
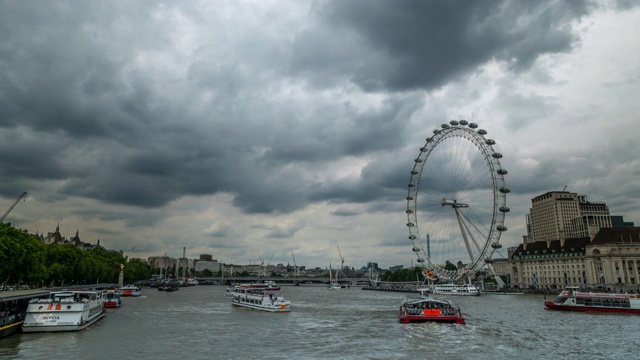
(571, 241)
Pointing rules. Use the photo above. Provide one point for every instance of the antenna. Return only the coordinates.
(565, 188)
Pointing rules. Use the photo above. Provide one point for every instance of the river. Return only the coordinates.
(200, 323)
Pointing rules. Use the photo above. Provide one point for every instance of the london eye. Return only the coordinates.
(456, 202)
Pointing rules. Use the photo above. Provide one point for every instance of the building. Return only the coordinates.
(560, 215)
(204, 264)
(57, 238)
(165, 265)
(571, 241)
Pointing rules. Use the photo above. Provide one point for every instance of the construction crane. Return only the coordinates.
(341, 259)
(295, 267)
(12, 206)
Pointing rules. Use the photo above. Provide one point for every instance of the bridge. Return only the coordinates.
(283, 280)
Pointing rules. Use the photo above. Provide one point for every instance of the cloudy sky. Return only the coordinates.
(247, 129)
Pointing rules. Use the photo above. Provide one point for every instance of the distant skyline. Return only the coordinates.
(244, 129)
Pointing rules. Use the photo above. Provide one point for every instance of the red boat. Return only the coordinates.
(427, 309)
(112, 298)
(572, 299)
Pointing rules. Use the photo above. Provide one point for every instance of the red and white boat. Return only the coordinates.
(572, 299)
(428, 309)
(130, 290)
(112, 298)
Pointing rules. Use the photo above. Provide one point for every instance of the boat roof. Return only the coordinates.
(427, 300)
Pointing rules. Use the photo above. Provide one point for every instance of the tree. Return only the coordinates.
(206, 272)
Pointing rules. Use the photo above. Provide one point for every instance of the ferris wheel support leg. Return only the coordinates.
(464, 234)
(499, 281)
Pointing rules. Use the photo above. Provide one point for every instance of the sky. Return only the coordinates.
(252, 130)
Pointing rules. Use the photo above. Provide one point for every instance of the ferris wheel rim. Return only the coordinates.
(491, 243)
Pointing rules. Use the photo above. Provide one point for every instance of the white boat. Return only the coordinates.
(130, 290)
(456, 289)
(247, 295)
(191, 282)
(333, 280)
(573, 299)
(70, 310)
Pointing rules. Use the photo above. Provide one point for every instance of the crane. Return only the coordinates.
(295, 267)
(341, 259)
(12, 206)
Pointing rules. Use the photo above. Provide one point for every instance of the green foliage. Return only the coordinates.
(24, 259)
(450, 266)
(403, 275)
(207, 272)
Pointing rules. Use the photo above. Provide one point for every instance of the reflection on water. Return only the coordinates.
(200, 323)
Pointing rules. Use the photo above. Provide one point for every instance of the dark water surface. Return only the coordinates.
(200, 323)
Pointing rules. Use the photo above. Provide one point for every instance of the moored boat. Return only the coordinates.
(130, 290)
(428, 309)
(250, 296)
(456, 289)
(70, 310)
(112, 298)
(191, 282)
(572, 299)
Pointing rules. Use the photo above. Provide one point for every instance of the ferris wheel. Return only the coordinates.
(456, 202)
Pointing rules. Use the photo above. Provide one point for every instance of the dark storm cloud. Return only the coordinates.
(425, 44)
(82, 82)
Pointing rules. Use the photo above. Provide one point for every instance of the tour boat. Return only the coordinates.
(456, 289)
(112, 298)
(429, 310)
(250, 296)
(69, 310)
(130, 290)
(571, 299)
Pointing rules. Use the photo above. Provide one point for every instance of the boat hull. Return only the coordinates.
(581, 308)
(281, 308)
(439, 319)
(44, 327)
(111, 304)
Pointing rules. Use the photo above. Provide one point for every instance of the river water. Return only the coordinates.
(200, 323)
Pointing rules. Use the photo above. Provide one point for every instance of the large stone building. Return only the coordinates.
(57, 238)
(571, 241)
(560, 215)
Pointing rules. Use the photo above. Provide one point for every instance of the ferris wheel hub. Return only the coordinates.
(454, 203)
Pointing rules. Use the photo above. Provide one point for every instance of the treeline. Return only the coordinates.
(410, 274)
(24, 260)
(403, 275)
